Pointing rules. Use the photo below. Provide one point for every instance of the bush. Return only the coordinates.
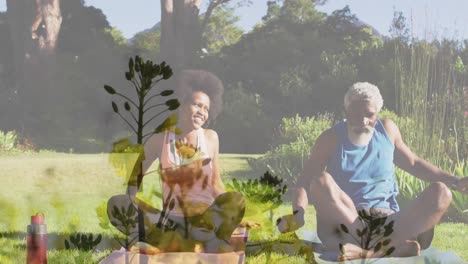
(292, 146)
(8, 141)
(242, 121)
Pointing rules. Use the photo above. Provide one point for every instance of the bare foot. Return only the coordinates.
(407, 249)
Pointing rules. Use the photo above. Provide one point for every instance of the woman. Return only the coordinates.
(195, 203)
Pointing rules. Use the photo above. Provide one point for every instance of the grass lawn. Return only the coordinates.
(68, 188)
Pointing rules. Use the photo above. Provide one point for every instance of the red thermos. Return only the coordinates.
(36, 241)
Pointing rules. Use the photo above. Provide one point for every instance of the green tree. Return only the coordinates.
(221, 30)
(117, 36)
(399, 28)
(147, 43)
(300, 11)
(273, 10)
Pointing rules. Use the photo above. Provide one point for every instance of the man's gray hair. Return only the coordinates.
(363, 91)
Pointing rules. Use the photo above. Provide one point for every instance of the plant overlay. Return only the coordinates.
(143, 75)
(373, 235)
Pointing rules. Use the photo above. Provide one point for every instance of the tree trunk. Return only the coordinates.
(34, 28)
(49, 17)
(180, 32)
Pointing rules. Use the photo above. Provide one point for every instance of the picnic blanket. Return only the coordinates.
(429, 255)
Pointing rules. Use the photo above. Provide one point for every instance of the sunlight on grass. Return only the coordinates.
(69, 187)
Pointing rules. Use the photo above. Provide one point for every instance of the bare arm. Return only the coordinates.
(405, 159)
(314, 169)
(152, 151)
(216, 182)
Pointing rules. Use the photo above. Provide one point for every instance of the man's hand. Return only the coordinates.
(292, 222)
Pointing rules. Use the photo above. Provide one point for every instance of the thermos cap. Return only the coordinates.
(37, 229)
(37, 218)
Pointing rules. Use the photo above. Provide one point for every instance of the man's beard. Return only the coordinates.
(360, 136)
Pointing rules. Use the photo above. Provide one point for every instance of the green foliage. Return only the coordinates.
(399, 28)
(126, 220)
(300, 12)
(8, 141)
(408, 186)
(429, 88)
(83, 241)
(101, 212)
(267, 189)
(221, 30)
(147, 43)
(273, 10)
(241, 118)
(143, 75)
(292, 146)
(117, 36)
(460, 200)
(6, 250)
(324, 56)
(262, 195)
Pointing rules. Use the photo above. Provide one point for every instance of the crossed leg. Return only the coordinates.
(213, 228)
(334, 207)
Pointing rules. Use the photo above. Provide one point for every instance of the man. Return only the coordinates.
(351, 168)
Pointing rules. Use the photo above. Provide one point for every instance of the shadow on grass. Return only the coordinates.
(57, 240)
(298, 248)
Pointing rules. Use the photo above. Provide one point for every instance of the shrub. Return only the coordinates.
(459, 207)
(242, 121)
(8, 141)
(292, 146)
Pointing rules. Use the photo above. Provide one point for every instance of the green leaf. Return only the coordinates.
(115, 107)
(344, 228)
(130, 64)
(109, 89)
(173, 104)
(156, 70)
(388, 232)
(386, 242)
(137, 64)
(359, 233)
(128, 76)
(167, 73)
(365, 230)
(168, 123)
(378, 247)
(167, 92)
(127, 106)
(390, 251)
(130, 210)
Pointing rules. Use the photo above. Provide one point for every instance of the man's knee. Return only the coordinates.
(443, 195)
